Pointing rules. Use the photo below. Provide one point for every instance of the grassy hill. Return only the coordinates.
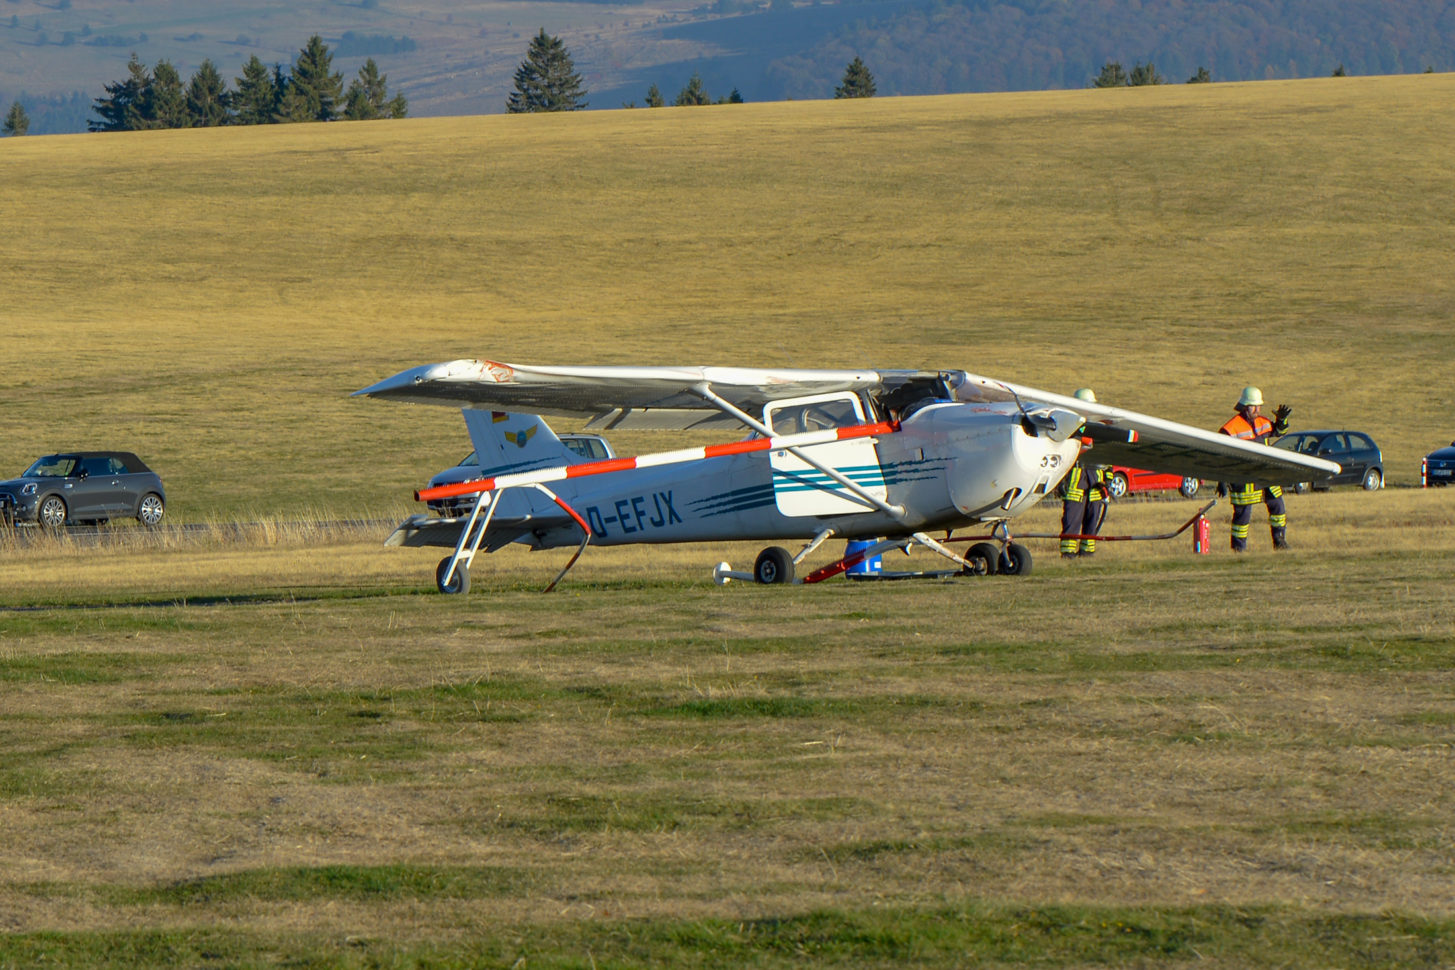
(210, 298)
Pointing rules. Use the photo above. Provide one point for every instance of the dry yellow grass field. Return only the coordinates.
(209, 298)
(279, 746)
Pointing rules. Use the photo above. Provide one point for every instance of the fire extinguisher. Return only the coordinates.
(1200, 535)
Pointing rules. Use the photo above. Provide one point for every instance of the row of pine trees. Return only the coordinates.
(310, 91)
(547, 81)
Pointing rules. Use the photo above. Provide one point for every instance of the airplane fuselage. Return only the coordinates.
(949, 465)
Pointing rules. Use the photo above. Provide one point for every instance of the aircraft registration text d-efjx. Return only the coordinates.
(883, 455)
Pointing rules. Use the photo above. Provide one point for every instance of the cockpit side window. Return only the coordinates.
(814, 414)
(903, 400)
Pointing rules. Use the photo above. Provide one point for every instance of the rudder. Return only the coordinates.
(506, 442)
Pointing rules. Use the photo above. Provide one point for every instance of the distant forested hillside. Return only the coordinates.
(55, 57)
(999, 45)
(949, 46)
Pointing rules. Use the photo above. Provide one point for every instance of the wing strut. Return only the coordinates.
(705, 391)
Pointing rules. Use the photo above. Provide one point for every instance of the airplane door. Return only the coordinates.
(801, 489)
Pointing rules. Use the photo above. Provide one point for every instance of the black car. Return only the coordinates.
(1359, 458)
(84, 486)
(1438, 467)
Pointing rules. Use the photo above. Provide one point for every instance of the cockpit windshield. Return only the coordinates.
(970, 389)
(51, 466)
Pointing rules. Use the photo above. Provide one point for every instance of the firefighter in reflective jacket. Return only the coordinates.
(1083, 492)
(1250, 425)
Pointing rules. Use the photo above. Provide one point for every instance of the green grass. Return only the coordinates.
(984, 936)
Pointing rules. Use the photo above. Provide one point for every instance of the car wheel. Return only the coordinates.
(52, 512)
(983, 558)
(1117, 485)
(774, 565)
(459, 582)
(1015, 560)
(1373, 478)
(150, 511)
(1190, 486)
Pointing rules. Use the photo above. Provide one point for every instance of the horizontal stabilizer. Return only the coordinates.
(424, 530)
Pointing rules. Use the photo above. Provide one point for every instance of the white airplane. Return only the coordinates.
(880, 455)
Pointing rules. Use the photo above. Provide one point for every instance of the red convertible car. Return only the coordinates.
(1123, 480)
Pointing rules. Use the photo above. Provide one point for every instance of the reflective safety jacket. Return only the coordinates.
(1257, 430)
(1085, 484)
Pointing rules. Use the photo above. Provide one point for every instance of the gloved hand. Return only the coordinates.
(1222, 489)
(1281, 413)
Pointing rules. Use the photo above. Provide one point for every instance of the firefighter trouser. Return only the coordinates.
(1081, 517)
(1244, 498)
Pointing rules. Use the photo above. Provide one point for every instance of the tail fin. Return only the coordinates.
(506, 442)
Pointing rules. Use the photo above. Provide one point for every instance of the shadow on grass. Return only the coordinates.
(293, 594)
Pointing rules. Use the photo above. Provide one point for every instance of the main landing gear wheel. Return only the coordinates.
(983, 558)
(1015, 560)
(774, 565)
(459, 583)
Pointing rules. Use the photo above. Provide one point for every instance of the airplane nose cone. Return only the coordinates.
(1007, 467)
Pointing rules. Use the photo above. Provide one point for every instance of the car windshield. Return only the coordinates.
(1305, 443)
(51, 466)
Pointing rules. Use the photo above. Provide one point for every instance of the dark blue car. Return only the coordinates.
(1360, 460)
(1438, 467)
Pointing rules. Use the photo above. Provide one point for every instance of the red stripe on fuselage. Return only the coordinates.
(624, 464)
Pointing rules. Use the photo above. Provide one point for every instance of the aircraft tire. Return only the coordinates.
(461, 580)
(774, 565)
(984, 559)
(1015, 560)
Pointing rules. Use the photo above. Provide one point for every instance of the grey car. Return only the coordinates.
(84, 486)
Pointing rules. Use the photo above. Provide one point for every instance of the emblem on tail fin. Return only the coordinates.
(519, 438)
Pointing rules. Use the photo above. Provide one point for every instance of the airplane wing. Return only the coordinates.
(616, 397)
(664, 398)
(1164, 446)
